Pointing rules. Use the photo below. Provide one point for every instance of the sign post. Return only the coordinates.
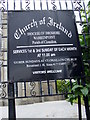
(11, 102)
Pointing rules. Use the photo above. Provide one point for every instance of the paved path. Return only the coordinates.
(56, 109)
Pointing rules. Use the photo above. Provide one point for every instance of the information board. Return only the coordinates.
(43, 45)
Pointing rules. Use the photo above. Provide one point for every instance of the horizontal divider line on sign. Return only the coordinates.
(45, 45)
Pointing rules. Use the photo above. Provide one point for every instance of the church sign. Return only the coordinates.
(43, 45)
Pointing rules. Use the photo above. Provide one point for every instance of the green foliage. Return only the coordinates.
(62, 86)
(86, 31)
(85, 91)
(79, 90)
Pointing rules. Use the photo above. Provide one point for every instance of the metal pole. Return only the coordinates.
(11, 102)
(79, 103)
(56, 87)
(87, 107)
(86, 102)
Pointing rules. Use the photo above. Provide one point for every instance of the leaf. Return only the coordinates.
(84, 91)
(88, 85)
(76, 87)
(83, 16)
